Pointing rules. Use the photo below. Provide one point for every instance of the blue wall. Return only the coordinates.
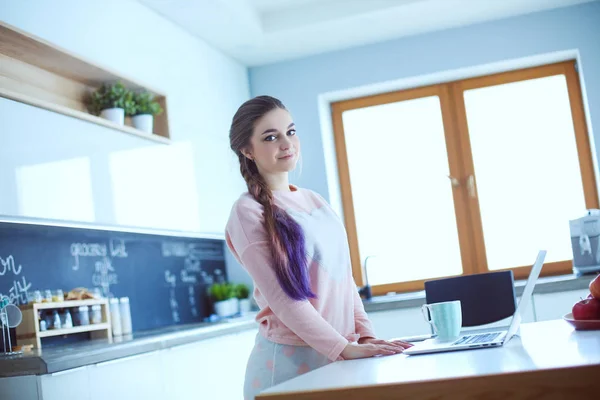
(299, 82)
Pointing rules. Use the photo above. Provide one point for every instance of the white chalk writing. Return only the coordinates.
(192, 299)
(174, 249)
(191, 274)
(104, 275)
(17, 293)
(200, 250)
(206, 278)
(87, 250)
(174, 306)
(117, 248)
(171, 280)
(192, 261)
(186, 278)
(218, 276)
(8, 265)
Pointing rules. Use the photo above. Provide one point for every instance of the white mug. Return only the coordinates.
(445, 317)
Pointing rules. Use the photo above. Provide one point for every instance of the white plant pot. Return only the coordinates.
(244, 306)
(116, 115)
(222, 308)
(235, 306)
(143, 122)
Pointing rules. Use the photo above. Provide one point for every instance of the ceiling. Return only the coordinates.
(257, 32)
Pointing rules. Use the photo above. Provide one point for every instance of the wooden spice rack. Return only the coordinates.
(28, 332)
(39, 73)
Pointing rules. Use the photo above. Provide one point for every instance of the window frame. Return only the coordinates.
(460, 161)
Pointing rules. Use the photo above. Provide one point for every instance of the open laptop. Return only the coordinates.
(487, 339)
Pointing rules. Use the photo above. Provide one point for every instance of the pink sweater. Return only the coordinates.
(327, 323)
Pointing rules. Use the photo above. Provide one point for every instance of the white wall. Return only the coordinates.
(299, 83)
(54, 166)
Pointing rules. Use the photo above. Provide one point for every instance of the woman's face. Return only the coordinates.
(275, 148)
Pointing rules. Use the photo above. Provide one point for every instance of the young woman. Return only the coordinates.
(295, 248)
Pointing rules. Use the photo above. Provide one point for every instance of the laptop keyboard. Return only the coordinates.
(479, 338)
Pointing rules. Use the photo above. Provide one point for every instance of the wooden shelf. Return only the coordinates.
(63, 304)
(75, 329)
(36, 72)
(28, 332)
(81, 115)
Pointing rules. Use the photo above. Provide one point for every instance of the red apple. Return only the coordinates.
(595, 287)
(587, 309)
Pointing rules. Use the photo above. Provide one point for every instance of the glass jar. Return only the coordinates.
(58, 296)
(30, 297)
(83, 315)
(47, 296)
(96, 314)
(47, 316)
(37, 296)
(56, 322)
(66, 321)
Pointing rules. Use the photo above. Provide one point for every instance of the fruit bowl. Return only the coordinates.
(582, 325)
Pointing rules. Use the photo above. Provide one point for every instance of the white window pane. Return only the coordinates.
(528, 178)
(402, 196)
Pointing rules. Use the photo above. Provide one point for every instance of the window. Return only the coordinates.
(464, 177)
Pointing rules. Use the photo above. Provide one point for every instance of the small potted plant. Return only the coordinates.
(112, 101)
(243, 294)
(142, 115)
(224, 298)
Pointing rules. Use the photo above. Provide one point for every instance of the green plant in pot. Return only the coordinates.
(112, 102)
(142, 115)
(224, 299)
(243, 294)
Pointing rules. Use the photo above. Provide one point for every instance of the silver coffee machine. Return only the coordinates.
(585, 242)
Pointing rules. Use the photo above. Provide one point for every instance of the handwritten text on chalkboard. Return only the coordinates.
(17, 293)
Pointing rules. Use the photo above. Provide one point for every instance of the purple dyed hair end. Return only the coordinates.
(293, 278)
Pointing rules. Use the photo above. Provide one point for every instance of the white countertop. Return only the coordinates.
(542, 345)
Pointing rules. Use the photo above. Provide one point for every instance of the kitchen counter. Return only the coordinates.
(54, 359)
(549, 359)
(549, 284)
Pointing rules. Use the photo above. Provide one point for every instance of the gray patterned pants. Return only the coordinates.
(272, 363)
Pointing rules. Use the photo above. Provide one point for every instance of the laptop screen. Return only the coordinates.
(526, 296)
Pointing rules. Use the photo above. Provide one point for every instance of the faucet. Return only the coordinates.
(366, 290)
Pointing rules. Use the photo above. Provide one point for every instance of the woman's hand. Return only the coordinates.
(397, 343)
(375, 347)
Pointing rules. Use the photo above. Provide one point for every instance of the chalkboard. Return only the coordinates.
(165, 276)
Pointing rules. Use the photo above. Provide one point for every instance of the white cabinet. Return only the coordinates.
(61, 385)
(210, 369)
(224, 365)
(136, 377)
(555, 305)
(19, 388)
(180, 367)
